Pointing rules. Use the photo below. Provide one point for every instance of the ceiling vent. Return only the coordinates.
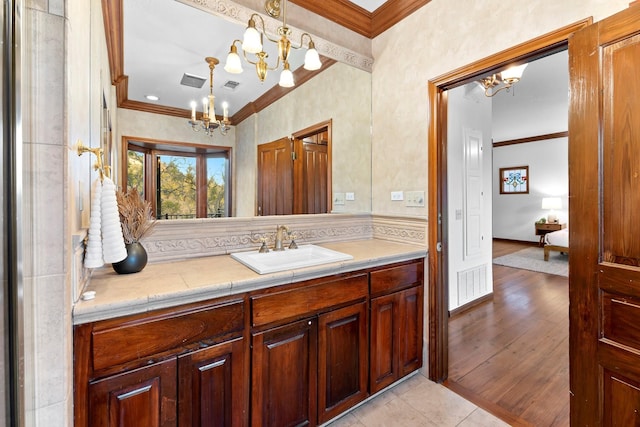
(192, 81)
(231, 85)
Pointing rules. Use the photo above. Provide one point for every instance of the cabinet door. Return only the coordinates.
(284, 376)
(212, 386)
(142, 397)
(384, 342)
(396, 336)
(342, 360)
(410, 335)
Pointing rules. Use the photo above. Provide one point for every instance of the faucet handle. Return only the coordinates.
(293, 244)
(263, 248)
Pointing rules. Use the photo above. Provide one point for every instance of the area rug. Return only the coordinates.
(533, 259)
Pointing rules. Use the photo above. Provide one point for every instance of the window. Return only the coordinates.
(186, 181)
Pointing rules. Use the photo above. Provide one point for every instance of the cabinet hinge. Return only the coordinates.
(293, 156)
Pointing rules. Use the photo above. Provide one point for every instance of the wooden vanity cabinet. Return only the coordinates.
(309, 351)
(396, 323)
(179, 366)
(296, 354)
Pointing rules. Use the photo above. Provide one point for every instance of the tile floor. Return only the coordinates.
(418, 402)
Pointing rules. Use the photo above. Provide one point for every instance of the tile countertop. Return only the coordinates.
(171, 284)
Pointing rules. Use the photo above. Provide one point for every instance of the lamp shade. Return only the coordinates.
(233, 64)
(251, 41)
(312, 60)
(286, 77)
(552, 203)
(513, 74)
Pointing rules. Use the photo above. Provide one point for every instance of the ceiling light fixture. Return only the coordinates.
(508, 78)
(209, 122)
(252, 44)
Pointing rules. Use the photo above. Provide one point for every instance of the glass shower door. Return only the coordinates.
(11, 399)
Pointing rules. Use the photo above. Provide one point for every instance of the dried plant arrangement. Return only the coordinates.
(135, 215)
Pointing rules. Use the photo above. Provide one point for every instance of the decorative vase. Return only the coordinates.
(134, 262)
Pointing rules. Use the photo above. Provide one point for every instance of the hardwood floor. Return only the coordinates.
(510, 355)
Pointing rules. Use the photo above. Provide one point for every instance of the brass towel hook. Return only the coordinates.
(98, 165)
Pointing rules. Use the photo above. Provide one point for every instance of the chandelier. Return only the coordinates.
(209, 122)
(507, 78)
(252, 44)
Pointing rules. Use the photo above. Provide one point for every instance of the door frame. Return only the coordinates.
(438, 294)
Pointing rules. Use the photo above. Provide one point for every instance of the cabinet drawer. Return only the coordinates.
(395, 278)
(137, 337)
(306, 300)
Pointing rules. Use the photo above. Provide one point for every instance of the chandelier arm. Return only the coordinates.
(302, 41)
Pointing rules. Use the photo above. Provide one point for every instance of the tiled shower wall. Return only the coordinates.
(47, 306)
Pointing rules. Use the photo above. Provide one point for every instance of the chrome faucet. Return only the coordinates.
(280, 236)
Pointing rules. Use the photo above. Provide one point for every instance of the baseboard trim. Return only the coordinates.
(471, 304)
(524, 242)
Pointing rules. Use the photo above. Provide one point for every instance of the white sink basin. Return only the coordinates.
(289, 259)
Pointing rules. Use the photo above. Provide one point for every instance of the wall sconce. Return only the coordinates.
(508, 78)
(552, 204)
(252, 44)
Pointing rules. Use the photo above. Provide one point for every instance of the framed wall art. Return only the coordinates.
(514, 180)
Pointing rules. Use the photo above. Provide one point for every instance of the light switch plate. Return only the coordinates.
(397, 195)
(338, 198)
(350, 196)
(415, 199)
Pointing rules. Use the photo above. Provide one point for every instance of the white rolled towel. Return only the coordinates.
(93, 255)
(113, 248)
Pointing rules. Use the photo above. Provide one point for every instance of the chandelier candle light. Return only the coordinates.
(252, 44)
(209, 122)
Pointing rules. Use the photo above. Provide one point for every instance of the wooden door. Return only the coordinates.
(143, 397)
(604, 230)
(310, 184)
(275, 178)
(212, 386)
(342, 360)
(284, 375)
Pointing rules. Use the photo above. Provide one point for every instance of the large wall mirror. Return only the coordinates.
(164, 40)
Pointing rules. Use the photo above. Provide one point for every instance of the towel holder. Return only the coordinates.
(103, 170)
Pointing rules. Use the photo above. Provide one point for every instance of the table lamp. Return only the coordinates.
(552, 204)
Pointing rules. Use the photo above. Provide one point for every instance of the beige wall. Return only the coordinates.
(440, 37)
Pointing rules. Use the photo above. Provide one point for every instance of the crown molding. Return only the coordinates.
(360, 20)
